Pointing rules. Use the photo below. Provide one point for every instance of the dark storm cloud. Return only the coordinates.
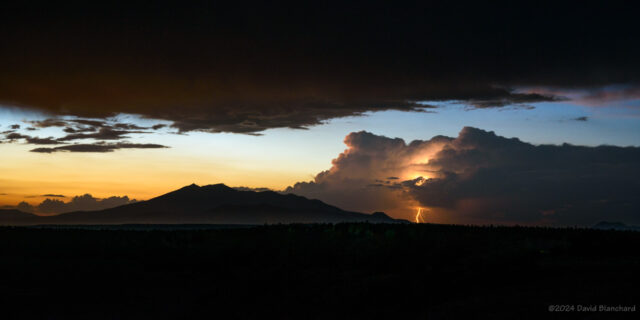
(99, 147)
(583, 119)
(480, 177)
(486, 177)
(255, 66)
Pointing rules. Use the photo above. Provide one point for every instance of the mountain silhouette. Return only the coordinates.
(11, 216)
(211, 204)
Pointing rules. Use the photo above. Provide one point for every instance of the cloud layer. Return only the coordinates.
(92, 134)
(98, 147)
(479, 177)
(84, 202)
(252, 67)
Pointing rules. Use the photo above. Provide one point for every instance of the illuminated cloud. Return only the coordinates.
(365, 176)
(479, 177)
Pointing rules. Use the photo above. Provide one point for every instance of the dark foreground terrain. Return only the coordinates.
(393, 271)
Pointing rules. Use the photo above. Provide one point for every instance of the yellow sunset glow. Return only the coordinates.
(138, 174)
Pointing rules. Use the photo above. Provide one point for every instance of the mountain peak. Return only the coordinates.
(218, 186)
(194, 190)
(209, 204)
(210, 187)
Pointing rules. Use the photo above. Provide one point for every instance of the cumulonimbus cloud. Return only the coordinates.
(479, 177)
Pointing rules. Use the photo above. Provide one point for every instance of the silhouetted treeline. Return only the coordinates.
(314, 271)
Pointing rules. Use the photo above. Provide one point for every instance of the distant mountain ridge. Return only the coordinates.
(607, 225)
(211, 204)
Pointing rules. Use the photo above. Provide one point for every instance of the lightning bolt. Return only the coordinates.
(419, 218)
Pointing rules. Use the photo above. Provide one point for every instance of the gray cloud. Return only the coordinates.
(24, 206)
(84, 202)
(11, 136)
(252, 189)
(41, 141)
(100, 129)
(88, 122)
(128, 126)
(104, 133)
(81, 203)
(48, 123)
(80, 129)
(519, 100)
(99, 147)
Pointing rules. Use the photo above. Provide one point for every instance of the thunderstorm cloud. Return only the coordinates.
(480, 177)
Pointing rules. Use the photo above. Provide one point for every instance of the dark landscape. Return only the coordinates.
(315, 271)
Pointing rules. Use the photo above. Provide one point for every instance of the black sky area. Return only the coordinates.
(252, 66)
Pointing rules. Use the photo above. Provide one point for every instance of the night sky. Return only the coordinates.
(503, 114)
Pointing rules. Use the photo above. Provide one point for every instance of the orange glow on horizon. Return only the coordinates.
(27, 176)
